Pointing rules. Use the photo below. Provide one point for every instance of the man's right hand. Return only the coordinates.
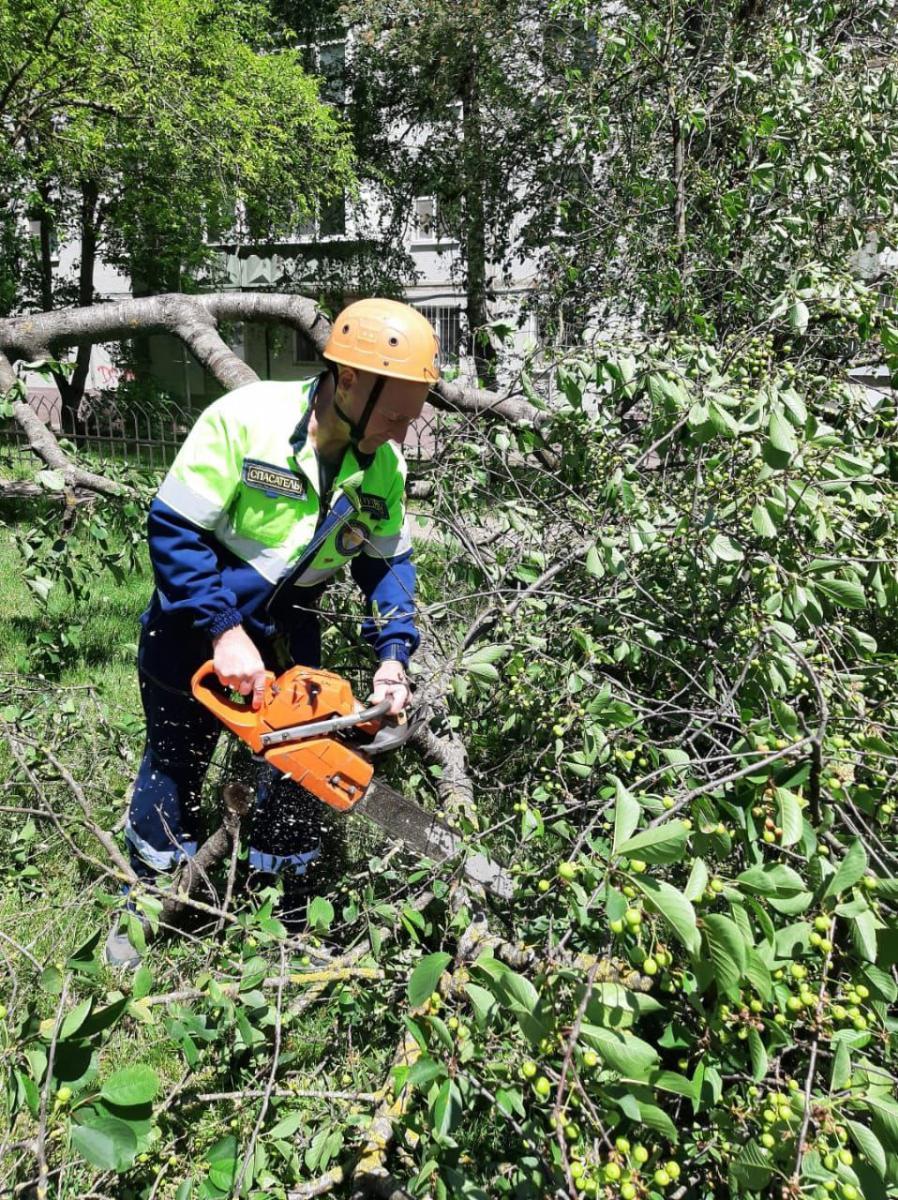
(238, 664)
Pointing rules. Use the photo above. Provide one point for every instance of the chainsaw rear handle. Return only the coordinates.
(329, 725)
(236, 716)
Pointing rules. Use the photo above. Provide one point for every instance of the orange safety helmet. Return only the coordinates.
(386, 338)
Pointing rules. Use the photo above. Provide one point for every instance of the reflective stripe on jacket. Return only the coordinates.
(238, 532)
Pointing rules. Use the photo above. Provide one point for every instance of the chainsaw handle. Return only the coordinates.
(236, 716)
(327, 726)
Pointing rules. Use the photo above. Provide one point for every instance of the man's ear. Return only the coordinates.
(346, 379)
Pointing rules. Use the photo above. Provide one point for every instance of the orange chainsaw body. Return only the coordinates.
(324, 766)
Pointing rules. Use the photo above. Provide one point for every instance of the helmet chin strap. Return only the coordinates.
(357, 428)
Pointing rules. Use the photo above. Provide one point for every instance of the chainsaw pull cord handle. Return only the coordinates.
(236, 716)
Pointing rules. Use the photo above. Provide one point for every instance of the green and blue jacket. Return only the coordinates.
(240, 533)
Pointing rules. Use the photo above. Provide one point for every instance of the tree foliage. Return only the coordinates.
(157, 128)
(657, 682)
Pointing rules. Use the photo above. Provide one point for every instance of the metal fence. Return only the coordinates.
(105, 432)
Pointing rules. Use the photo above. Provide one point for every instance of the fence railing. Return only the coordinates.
(106, 433)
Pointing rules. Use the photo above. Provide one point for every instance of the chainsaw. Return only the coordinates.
(311, 728)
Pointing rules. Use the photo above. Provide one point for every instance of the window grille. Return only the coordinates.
(446, 320)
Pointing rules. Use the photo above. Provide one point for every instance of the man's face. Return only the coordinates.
(399, 404)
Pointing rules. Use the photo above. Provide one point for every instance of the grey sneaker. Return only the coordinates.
(120, 951)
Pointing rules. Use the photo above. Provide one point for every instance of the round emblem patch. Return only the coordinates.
(351, 538)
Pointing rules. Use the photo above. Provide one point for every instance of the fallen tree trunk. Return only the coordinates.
(196, 321)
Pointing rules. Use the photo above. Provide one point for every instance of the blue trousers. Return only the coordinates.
(163, 825)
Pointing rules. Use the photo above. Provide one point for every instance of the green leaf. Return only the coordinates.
(870, 1146)
(674, 908)
(697, 881)
(656, 1118)
(630, 1056)
(781, 434)
(447, 1109)
(626, 814)
(131, 1086)
(759, 1061)
(789, 816)
(884, 1114)
(751, 1168)
(795, 406)
(594, 563)
(862, 929)
(663, 844)
(143, 982)
(426, 975)
(777, 880)
(485, 654)
(75, 1019)
(288, 1125)
(798, 316)
(845, 592)
(222, 1160)
(424, 1071)
(849, 871)
(321, 913)
(758, 974)
(482, 1001)
(761, 522)
(840, 1076)
(727, 951)
(725, 549)
(53, 481)
(106, 1143)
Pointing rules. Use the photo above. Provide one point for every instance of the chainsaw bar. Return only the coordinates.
(402, 819)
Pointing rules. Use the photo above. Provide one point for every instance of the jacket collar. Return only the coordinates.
(300, 435)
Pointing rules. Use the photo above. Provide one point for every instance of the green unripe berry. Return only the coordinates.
(846, 1158)
(768, 1140)
(64, 1095)
(821, 924)
(528, 1069)
(633, 918)
(640, 1154)
(542, 1087)
(661, 1178)
(622, 1145)
(567, 870)
(612, 1172)
(543, 885)
(616, 926)
(628, 1191)
(590, 1059)
(650, 966)
(637, 865)
(673, 1169)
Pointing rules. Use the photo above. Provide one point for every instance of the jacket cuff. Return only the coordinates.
(397, 651)
(223, 621)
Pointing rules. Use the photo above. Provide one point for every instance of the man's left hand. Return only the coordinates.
(391, 683)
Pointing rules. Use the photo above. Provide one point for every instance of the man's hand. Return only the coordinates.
(390, 682)
(238, 664)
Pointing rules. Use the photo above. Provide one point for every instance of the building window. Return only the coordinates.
(424, 219)
(446, 321)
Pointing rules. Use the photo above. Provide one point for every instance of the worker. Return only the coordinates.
(277, 486)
